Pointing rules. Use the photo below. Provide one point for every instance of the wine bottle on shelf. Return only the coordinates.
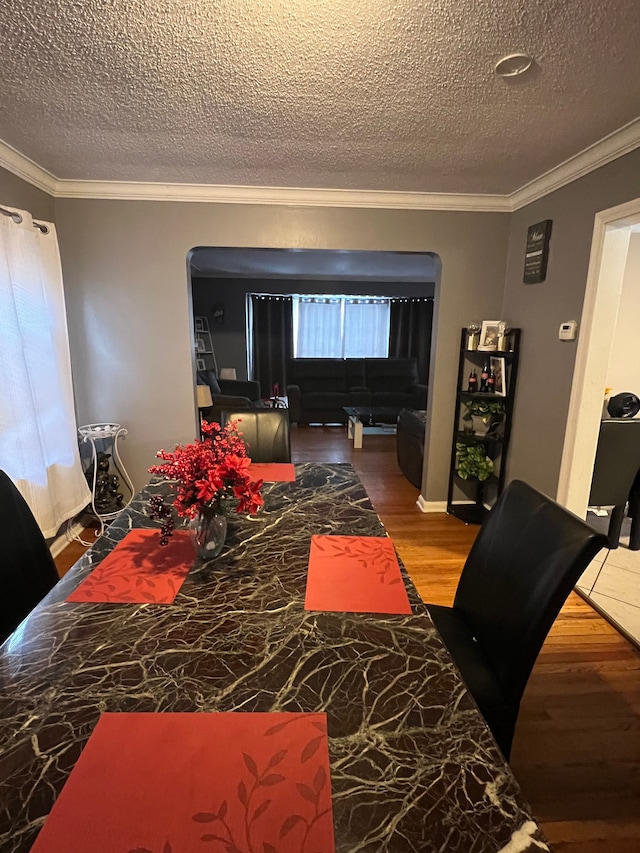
(484, 376)
(491, 382)
(472, 381)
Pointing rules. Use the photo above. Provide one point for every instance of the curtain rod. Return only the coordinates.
(17, 218)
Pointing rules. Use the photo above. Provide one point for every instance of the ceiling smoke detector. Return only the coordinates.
(513, 65)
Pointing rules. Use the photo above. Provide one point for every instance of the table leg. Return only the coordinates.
(357, 434)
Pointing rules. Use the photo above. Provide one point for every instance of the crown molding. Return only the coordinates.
(15, 162)
(615, 145)
(24, 168)
(296, 196)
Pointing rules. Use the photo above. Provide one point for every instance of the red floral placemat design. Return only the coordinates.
(273, 472)
(183, 783)
(140, 570)
(355, 574)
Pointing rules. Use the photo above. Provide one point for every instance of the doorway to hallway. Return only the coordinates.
(607, 356)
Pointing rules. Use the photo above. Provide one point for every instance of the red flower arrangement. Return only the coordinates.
(211, 474)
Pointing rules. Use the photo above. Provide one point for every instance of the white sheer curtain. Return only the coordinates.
(366, 328)
(341, 327)
(317, 324)
(38, 431)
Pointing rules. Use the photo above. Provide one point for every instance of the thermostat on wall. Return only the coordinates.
(568, 330)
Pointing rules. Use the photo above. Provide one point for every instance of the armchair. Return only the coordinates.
(230, 394)
(410, 444)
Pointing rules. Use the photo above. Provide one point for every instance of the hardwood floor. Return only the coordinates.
(75, 549)
(576, 752)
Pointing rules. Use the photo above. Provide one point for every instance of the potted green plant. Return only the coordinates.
(483, 415)
(472, 462)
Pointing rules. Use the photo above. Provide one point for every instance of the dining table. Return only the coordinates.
(412, 763)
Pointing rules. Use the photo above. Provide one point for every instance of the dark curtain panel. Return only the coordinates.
(410, 333)
(272, 340)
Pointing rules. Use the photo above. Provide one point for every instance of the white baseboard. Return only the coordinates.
(431, 506)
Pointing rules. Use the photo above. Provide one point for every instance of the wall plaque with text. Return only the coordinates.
(537, 252)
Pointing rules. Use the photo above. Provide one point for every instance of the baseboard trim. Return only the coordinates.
(431, 506)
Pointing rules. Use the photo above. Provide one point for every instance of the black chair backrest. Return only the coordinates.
(617, 461)
(265, 433)
(526, 559)
(27, 569)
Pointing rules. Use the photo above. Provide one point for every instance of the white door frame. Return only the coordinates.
(611, 234)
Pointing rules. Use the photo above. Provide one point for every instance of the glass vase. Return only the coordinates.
(208, 533)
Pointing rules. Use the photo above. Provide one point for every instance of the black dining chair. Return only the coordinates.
(616, 464)
(27, 569)
(528, 555)
(265, 433)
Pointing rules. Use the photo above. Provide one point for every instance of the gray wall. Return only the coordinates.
(128, 301)
(14, 192)
(125, 267)
(230, 337)
(546, 364)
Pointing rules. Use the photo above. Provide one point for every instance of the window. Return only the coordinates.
(340, 327)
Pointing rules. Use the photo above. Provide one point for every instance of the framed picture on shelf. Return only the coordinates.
(489, 336)
(497, 365)
(202, 324)
(200, 364)
(200, 345)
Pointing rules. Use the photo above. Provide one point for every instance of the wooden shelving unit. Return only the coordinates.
(470, 499)
(205, 354)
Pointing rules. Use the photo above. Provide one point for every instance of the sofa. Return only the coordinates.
(228, 394)
(410, 444)
(319, 388)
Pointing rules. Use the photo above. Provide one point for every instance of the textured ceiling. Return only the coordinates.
(350, 94)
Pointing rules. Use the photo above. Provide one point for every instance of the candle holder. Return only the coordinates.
(473, 331)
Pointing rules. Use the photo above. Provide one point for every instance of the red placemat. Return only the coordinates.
(172, 783)
(357, 574)
(273, 472)
(140, 570)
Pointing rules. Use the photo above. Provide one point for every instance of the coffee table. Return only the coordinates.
(369, 420)
(276, 402)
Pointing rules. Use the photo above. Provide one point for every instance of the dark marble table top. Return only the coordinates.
(413, 766)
